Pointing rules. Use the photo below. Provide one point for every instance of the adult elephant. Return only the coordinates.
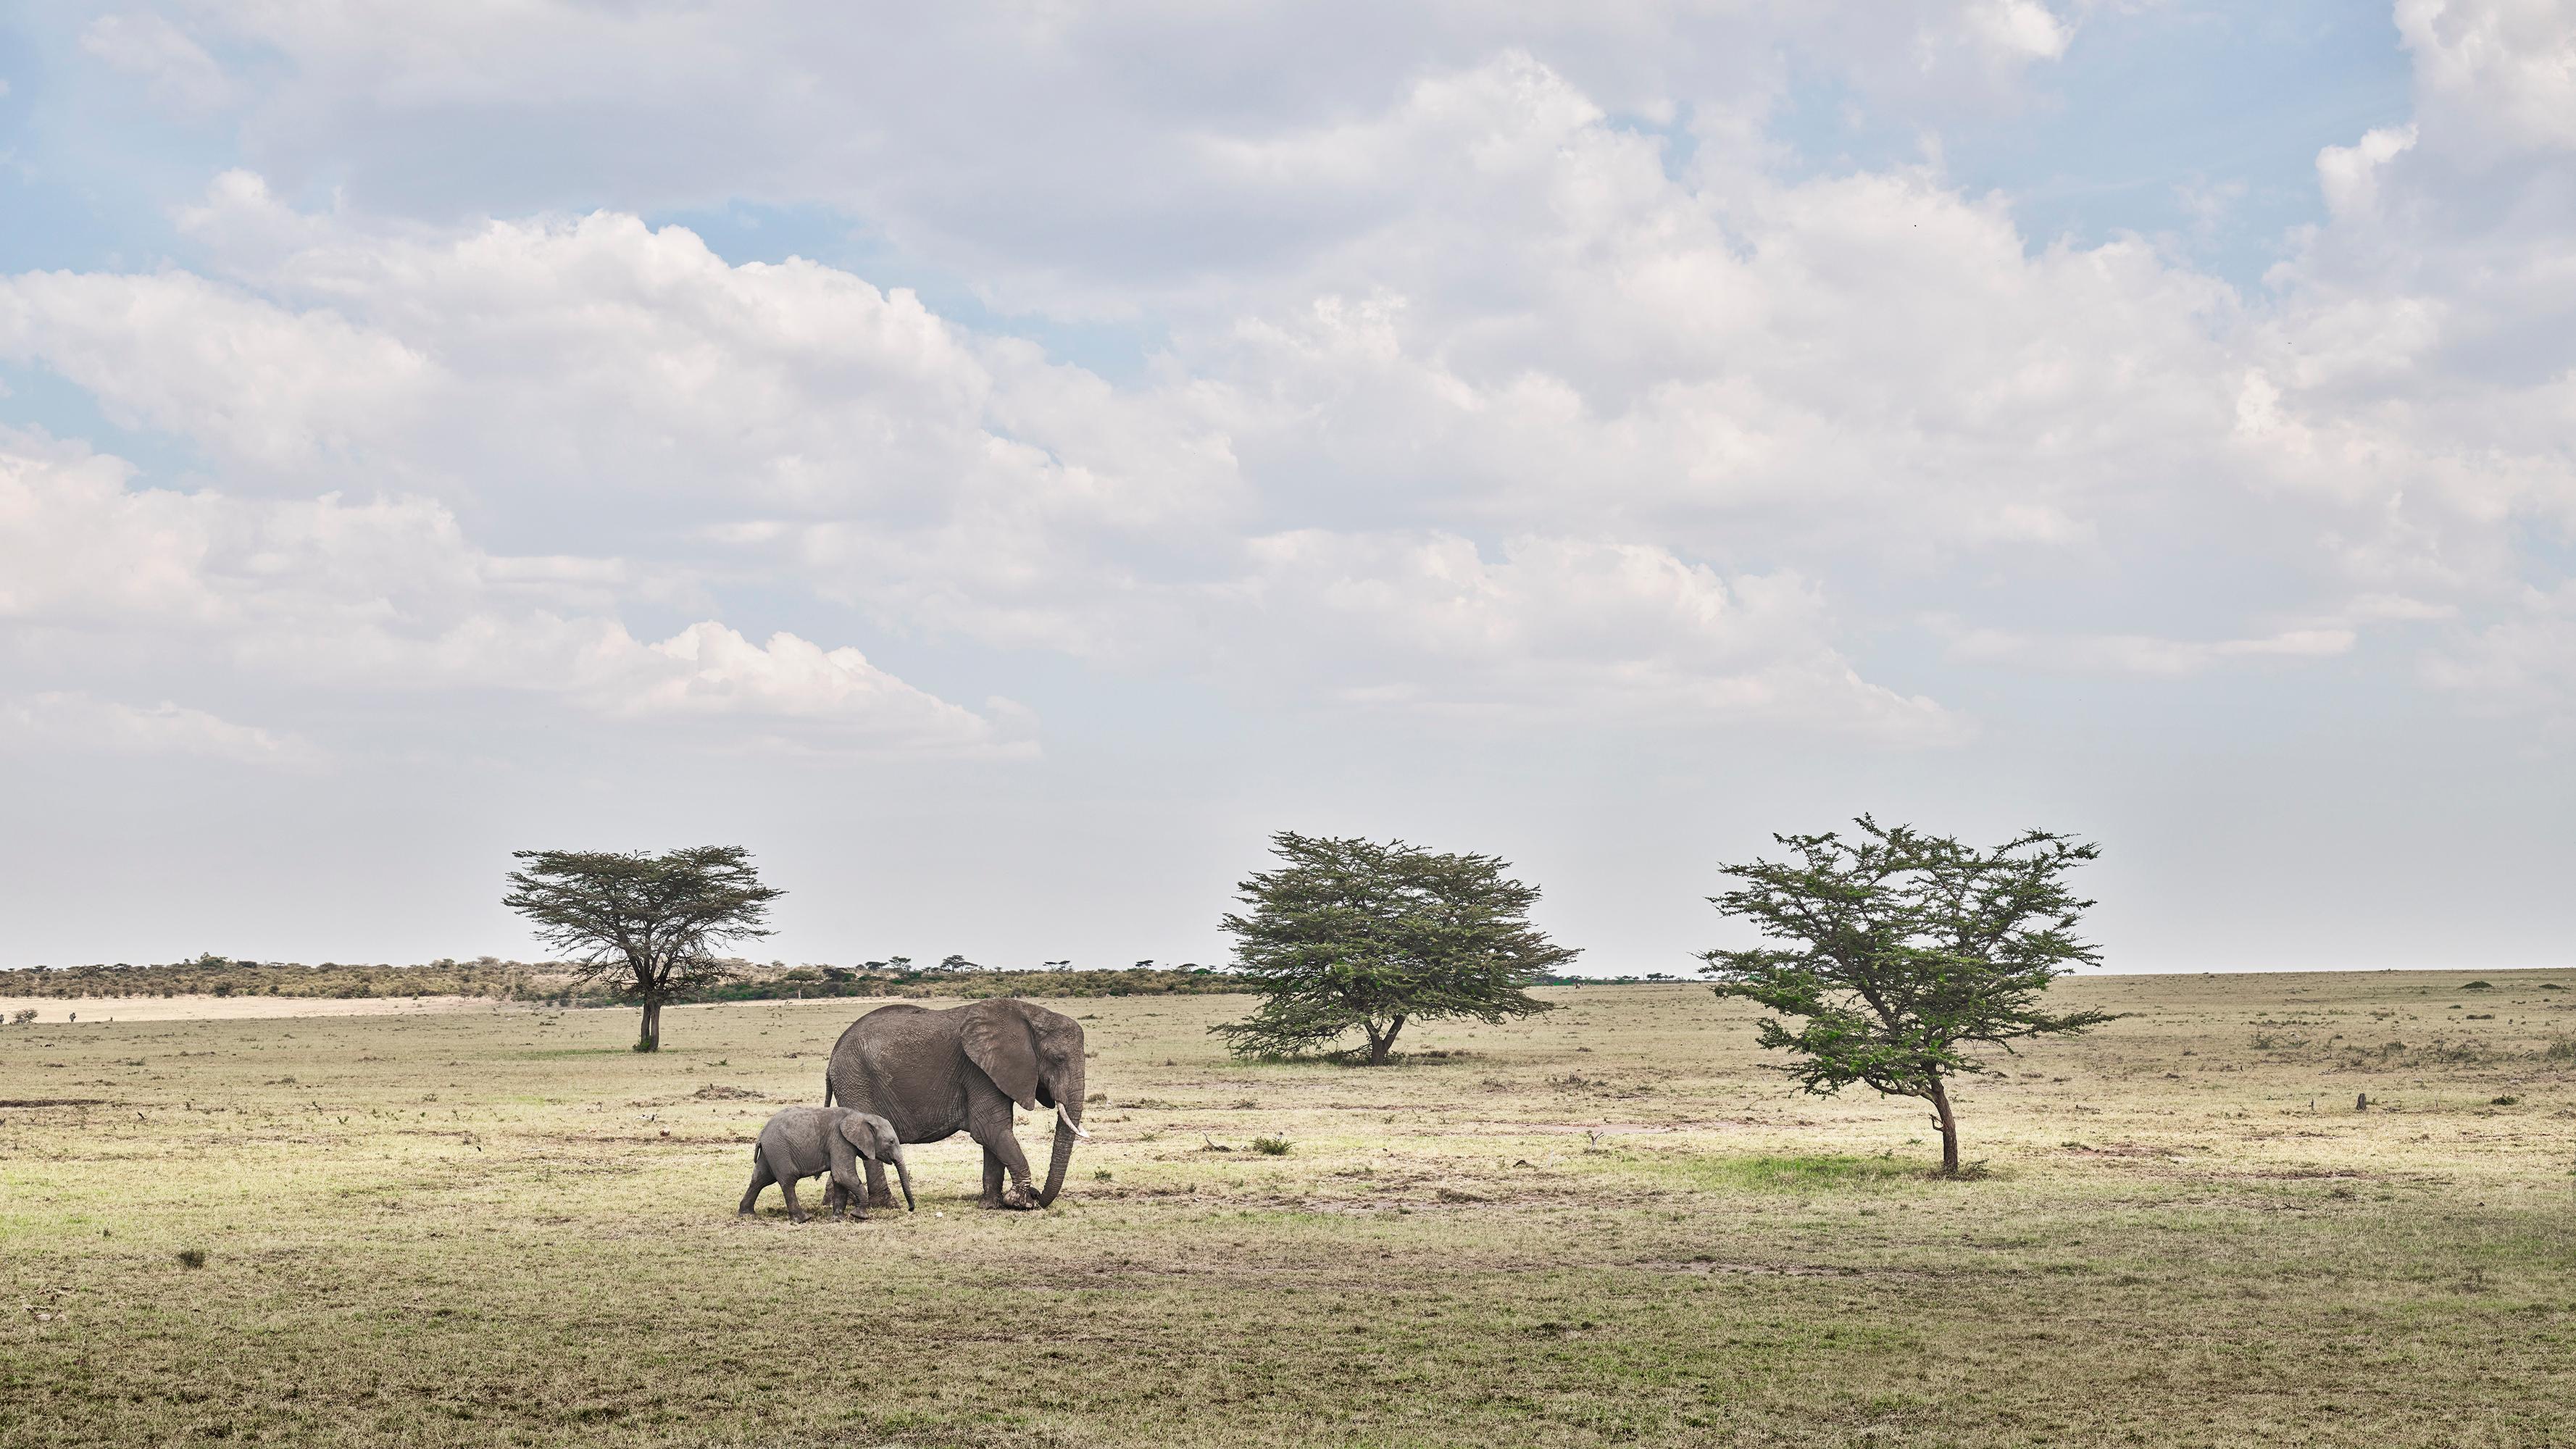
(935, 1073)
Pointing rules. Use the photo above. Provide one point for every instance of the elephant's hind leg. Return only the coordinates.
(787, 1189)
(760, 1178)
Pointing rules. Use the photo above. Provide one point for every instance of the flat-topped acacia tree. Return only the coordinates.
(1902, 952)
(1357, 935)
(649, 923)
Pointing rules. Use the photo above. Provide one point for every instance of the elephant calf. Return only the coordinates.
(802, 1142)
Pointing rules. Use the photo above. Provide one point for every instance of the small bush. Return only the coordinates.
(2504, 1101)
(192, 1257)
(2479, 986)
(1270, 1146)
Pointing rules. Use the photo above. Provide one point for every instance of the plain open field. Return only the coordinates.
(65, 1010)
(1608, 1225)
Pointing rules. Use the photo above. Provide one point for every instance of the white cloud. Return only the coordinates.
(71, 721)
(1567, 627)
(2502, 71)
(2524, 660)
(2141, 653)
(924, 123)
(149, 48)
(2349, 175)
(388, 599)
(708, 669)
(1516, 319)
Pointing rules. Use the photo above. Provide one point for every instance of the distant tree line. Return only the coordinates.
(550, 982)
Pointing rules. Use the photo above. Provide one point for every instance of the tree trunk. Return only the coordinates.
(651, 1038)
(1380, 1047)
(1949, 1128)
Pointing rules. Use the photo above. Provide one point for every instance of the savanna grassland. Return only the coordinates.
(496, 1225)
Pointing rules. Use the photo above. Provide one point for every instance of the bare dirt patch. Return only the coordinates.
(55, 1011)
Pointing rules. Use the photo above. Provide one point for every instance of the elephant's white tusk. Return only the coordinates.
(1067, 1118)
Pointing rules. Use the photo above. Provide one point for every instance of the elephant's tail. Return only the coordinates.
(827, 1089)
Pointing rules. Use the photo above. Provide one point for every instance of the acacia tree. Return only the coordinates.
(1353, 934)
(648, 923)
(1904, 951)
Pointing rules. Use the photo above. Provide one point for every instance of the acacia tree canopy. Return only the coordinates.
(1358, 935)
(649, 923)
(1904, 951)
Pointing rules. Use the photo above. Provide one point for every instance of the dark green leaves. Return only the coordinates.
(1894, 953)
(652, 921)
(1354, 935)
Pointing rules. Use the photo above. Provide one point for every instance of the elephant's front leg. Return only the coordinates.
(878, 1194)
(991, 1126)
(845, 1190)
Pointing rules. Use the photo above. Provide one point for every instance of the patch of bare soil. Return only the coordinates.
(54, 1011)
(1775, 1270)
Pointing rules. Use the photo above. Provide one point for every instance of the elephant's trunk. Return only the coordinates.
(903, 1174)
(1068, 1125)
(1056, 1164)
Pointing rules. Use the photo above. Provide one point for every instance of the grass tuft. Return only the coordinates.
(1804, 1172)
(1270, 1146)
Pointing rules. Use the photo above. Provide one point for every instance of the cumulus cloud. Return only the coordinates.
(148, 47)
(1576, 628)
(58, 721)
(946, 483)
(1512, 398)
(2503, 72)
(921, 122)
(390, 598)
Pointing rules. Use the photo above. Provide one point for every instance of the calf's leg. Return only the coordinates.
(760, 1178)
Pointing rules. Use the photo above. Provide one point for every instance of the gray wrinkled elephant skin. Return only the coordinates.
(935, 1073)
(803, 1142)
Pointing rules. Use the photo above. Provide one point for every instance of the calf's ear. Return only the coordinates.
(860, 1132)
(999, 1041)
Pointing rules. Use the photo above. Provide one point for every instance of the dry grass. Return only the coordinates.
(60, 1010)
(1604, 1225)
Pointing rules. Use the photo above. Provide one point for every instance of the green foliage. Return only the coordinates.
(1270, 1146)
(1357, 935)
(1903, 952)
(647, 923)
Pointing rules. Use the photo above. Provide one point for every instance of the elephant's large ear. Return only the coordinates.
(862, 1132)
(998, 1040)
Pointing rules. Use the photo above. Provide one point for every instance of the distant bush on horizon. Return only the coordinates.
(548, 982)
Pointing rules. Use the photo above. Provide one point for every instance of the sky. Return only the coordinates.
(1000, 464)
